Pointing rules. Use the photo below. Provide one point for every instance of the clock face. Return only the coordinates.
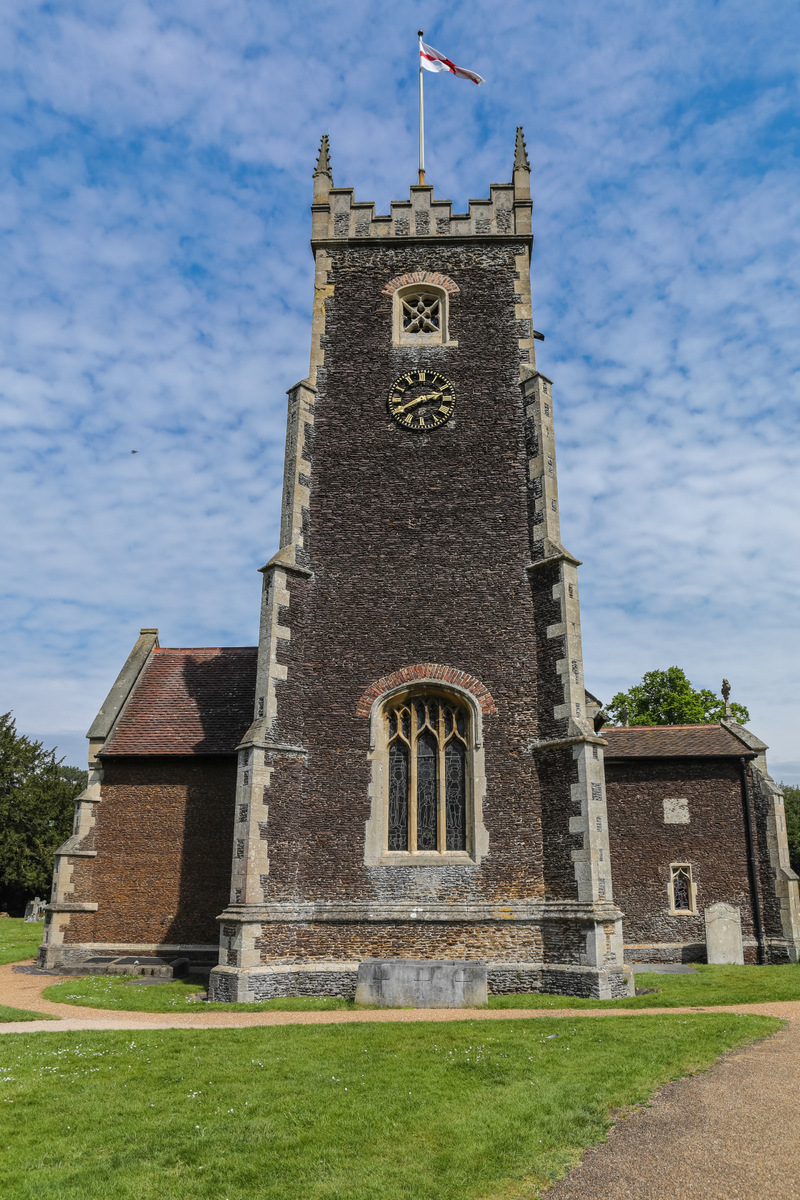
(421, 400)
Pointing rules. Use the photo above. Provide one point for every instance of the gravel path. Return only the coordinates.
(729, 1134)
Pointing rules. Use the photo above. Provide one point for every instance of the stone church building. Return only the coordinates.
(408, 765)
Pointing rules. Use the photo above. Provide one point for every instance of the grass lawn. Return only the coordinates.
(712, 985)
(117, 992)
(19, 939)
(21, 1014)
(469, 1110)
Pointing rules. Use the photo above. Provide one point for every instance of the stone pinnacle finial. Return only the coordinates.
(726, 696)
(323, 166)
(520, 152)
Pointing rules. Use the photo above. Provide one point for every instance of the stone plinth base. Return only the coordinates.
(249, 984)
(415, 983)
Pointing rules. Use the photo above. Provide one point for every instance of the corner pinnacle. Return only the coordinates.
(323, 166)
(520, 153)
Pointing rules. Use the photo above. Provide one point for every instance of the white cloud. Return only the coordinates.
(157, 285)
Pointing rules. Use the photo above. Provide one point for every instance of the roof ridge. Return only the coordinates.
(633, 728)
(199, 649)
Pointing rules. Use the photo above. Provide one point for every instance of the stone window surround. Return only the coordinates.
(376, 852)
(427, 283)
(438, 337)
(691, 911)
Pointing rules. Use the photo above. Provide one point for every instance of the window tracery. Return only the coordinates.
(429, 738)
(420, 315)
(681, 888)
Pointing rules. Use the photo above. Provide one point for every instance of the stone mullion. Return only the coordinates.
(412, 779)
(441, 829)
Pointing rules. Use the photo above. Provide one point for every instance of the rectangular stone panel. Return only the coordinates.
(415, 983)
(724, 934)
(676, 811)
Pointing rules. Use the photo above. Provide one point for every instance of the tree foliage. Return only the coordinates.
(668, 698)
(791, 801)
(37, 801)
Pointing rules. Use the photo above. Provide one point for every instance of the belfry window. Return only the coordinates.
(420, 315)
(681, 888)
(429, 738)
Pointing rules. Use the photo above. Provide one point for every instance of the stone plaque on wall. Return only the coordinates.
(676, 811)
(724, 934)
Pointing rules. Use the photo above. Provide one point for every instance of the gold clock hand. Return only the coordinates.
(418, 400)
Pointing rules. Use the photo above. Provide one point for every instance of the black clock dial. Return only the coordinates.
(421, 400)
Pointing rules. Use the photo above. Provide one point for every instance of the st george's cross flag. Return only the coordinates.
(432, 60)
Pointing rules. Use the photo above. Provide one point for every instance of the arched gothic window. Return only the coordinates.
(420, 315)
(429, 738)
(682, 889)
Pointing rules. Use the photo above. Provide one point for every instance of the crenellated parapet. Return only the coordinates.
(338, 216)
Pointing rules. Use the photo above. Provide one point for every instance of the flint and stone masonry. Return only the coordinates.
(420, 560)
(238, 809)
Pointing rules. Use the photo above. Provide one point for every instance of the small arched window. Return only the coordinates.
(682, 889)
(420, 315)
(429, 738)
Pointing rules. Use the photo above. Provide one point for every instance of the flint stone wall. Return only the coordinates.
(713, 842)
(417, 544)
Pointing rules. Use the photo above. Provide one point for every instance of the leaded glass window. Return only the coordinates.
(429, 742)
(426, 792)
(681, 884)
(398, 796)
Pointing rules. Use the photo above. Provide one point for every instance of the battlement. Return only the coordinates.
(338, 216)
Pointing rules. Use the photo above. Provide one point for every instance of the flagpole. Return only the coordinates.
(421, 123)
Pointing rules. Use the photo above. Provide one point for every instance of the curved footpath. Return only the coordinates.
(730, 1133)
(19, 990)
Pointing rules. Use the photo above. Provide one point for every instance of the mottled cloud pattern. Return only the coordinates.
(156, 293)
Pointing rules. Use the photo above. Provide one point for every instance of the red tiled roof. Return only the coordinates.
(197, 701)
(673, 741)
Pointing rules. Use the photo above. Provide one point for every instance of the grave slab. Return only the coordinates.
(724, 934)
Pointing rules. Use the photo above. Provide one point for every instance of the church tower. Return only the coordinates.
(421, 779)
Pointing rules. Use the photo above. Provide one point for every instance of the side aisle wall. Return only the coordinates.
(688, 811)
(155, 866)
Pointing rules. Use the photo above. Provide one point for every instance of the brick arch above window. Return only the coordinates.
(430, 277)
(426, 673)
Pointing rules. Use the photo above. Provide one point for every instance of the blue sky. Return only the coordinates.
(157, 286)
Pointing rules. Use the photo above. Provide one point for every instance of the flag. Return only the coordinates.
(432, 60)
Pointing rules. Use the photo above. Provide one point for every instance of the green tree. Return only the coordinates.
(791, 800)
(37, 801)
(668, 698)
